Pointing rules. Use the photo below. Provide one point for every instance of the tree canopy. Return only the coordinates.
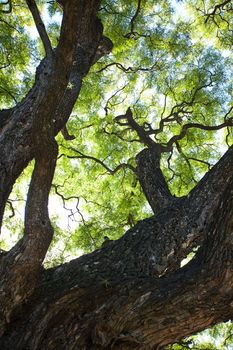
(119, 113)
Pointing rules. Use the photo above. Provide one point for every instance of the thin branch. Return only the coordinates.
(188, 126)
(10, 203)
(128, 69)
(183, 155)
(106, 108)
(64, 199)
(9, 93)
(9, 25)
(5, 65)
(200, 161)
(84, 156)
(228, 136)
(132, 22)
(135, 16)
(180, 109)
(40, 27)
(226, 115)
(120, 136)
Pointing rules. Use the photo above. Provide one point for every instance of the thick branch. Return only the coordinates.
(152, 180)
(24, 261)
(72, 60)
(145, 312)
(28, 133)
(128, 120)
(205, 197)
(143, 132)
(40, 27)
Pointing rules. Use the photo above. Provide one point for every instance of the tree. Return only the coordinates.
(165, 93)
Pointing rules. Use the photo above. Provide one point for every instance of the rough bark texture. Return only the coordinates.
(132, 293)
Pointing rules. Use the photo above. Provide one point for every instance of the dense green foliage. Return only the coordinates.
(172, 61)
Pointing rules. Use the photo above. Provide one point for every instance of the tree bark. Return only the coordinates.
(131, 293)
(96, 302)
(152, 180)
(81, 44)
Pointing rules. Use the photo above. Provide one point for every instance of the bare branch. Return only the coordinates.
(9, 202)
(65, 199)
(40, 27)
(120, 136)
(183, 155)
(106, 108)
(200, 161)
(180, 109)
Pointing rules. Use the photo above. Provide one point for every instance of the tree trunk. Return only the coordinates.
(131, 293)
(106, 301)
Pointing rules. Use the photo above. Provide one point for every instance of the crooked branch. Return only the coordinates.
(143, 132)
(132, 22)
(65, 199)
(128, 120)
(188, 126)
(84, 156)
(180, 109)
(128, 69)
(217, 8)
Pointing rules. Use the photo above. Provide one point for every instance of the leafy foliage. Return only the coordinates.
(172, 69)
(219, 337)
(160, 67)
